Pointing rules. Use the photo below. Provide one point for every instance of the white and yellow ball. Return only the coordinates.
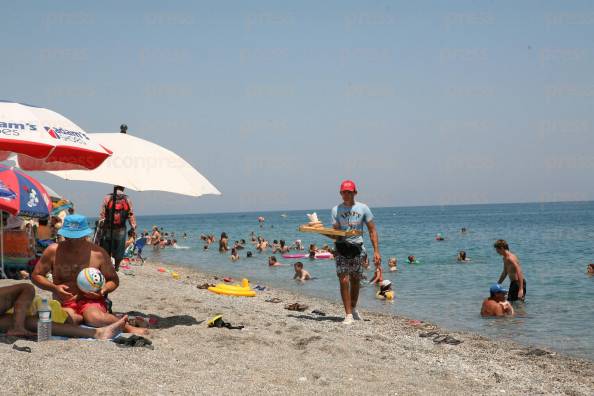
(90, 280)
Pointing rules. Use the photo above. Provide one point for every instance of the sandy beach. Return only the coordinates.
(279, 351)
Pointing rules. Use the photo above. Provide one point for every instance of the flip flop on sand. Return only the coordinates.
(446, 339)
(318, 312)
(205, 285)
(429, 334)
(134, 341)
(21, 349)
(296, 307)
(274, 300)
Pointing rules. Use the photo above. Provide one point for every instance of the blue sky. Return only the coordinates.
(277, 102)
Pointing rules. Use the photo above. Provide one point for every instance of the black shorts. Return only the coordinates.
(514, 289)
(119, 243)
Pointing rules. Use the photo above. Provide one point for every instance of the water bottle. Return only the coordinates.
(44, 323)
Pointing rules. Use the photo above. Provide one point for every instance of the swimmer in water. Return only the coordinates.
(590, 269)
(412, 259)
(462, 256)
(272, 262)
(234, 255)
(393, 264)
(300, 274)
(496, 304)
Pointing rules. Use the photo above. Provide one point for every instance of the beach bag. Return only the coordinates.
(121, 212)
(348, 250)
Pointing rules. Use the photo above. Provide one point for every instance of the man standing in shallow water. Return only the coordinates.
(350, 252)
(511, 268)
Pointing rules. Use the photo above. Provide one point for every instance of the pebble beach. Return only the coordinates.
(278, 351)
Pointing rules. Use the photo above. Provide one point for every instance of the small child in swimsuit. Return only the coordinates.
(378, 276)
(300, 273)
(393, 264)
(385, 292)
(412, 259)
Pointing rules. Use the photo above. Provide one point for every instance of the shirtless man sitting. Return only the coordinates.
(19, 297)
(496, 305)
(65, 260)
(511, 268)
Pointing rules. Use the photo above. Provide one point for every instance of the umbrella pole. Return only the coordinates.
(2, 244)
(123, 129)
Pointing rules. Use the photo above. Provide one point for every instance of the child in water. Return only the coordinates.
(590, 270)
(412, 259)
(393, 264)
(234, 255)
(385, 292)
(300, 273)
(378, 276)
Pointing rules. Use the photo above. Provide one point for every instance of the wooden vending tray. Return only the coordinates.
(329, 231)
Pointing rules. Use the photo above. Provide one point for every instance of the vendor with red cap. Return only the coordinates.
(350, 252)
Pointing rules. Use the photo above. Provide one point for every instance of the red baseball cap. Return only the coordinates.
(348, 185)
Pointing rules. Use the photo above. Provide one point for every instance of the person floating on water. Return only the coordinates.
(462, 256)
(590, 269)
(412, 259)
(300, 273)
(496, 304)
(511, 268)
(350, 252)
(439, 237)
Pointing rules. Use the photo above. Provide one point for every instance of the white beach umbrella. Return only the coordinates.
(142, 166)
(43, 139)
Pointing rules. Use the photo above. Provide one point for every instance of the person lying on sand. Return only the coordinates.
(497, 304)
(65, 260)
(19, 298)
(300, 273)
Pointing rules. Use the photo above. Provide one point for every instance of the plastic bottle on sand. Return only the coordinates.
(44, 323)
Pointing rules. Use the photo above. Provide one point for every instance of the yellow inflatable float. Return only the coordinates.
(234, 290)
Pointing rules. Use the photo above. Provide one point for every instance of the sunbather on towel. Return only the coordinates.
(65, 260)
(20, 296)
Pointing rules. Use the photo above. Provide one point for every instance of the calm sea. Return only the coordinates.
(553, 241)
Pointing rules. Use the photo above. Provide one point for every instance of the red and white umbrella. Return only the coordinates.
(46, 140)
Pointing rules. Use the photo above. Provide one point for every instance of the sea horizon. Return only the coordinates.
(373, 207)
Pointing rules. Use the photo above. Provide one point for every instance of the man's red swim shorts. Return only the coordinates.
(81, 305)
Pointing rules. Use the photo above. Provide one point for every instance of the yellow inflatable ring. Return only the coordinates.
(237, 291)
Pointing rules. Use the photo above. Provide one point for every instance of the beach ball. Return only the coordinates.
(90, 280)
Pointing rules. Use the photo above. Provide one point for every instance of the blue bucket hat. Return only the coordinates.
(75, 226)
(497, 288)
